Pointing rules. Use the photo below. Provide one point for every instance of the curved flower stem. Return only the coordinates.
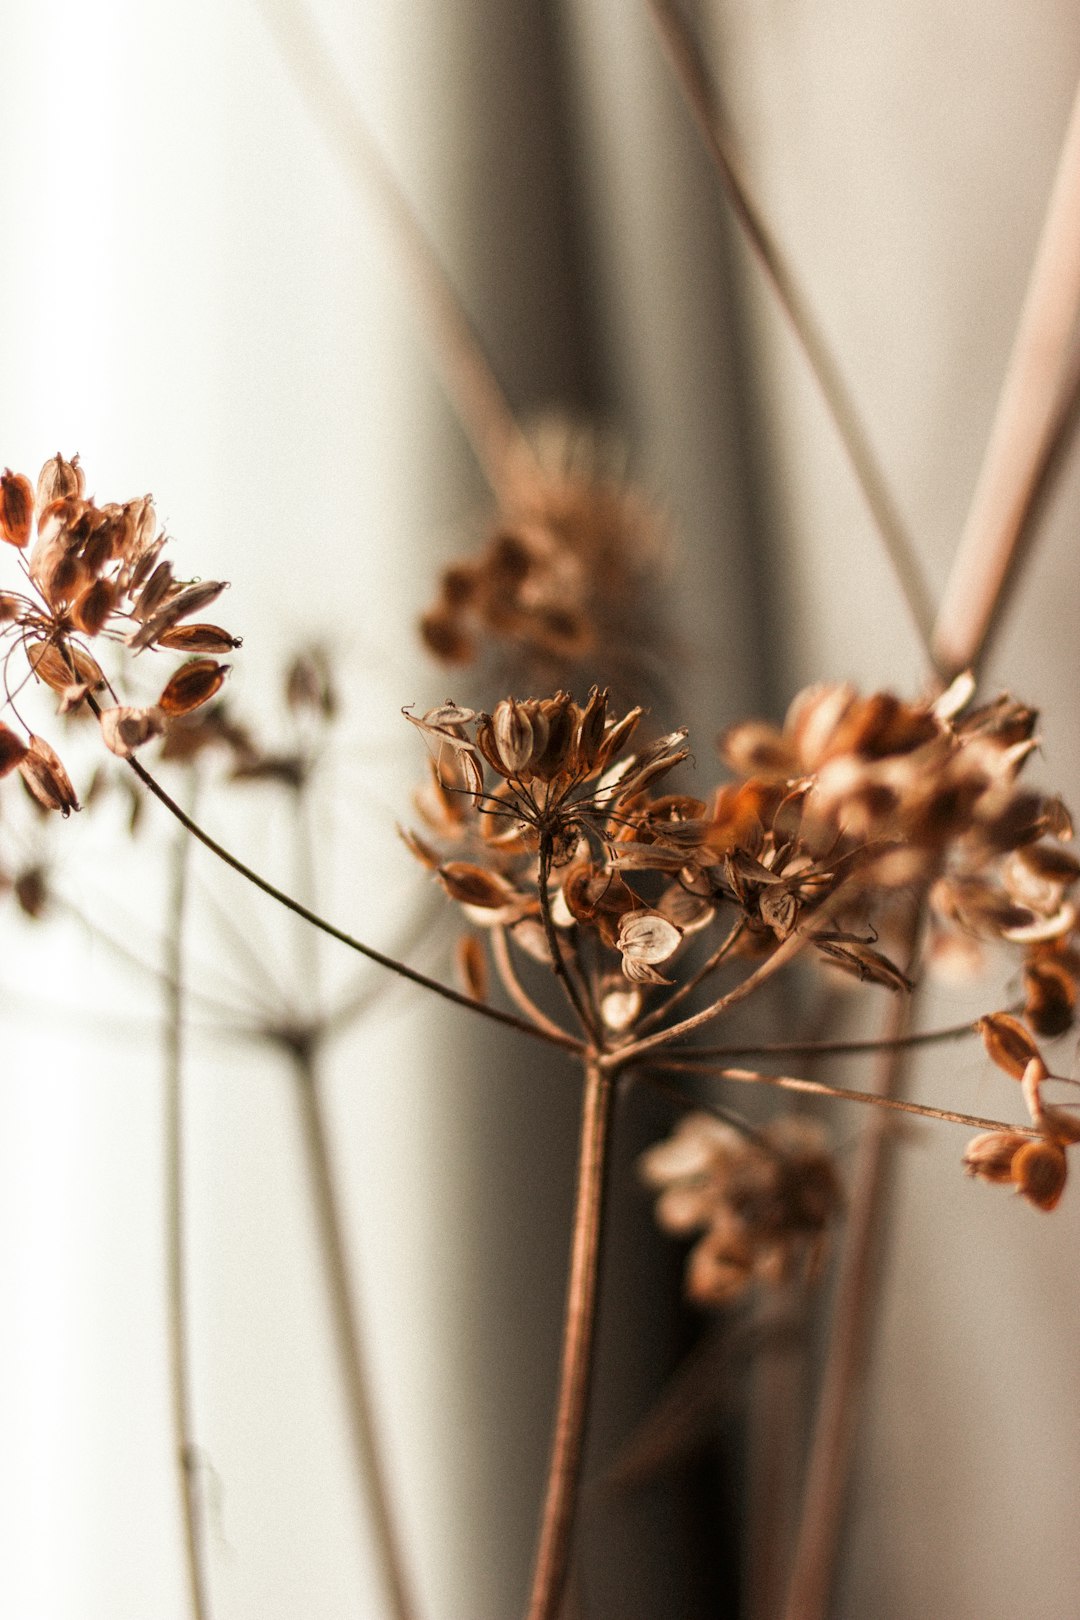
(690, 70)
(513, 985)
(175, 1244)
(658, 1014)
(558, 960)
(493, 1013)
(564, 1470)
(780, 957)
(347, 1331)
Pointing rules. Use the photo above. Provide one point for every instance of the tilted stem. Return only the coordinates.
(493, 1013)
(681, 1057)
(554, 945)
(839, 1401)
(575, 1372)
(678, 996)
(818, 1088)
(694, 79)
(175, 1238)
(350, 1344)
(1033, 423)
(513, 986)
(497, 441)
(779, 958)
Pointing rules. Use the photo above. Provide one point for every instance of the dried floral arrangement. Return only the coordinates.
(614, 899)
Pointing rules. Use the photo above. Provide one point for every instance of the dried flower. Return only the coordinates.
(762, 1201)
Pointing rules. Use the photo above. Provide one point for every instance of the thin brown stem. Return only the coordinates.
(839, 1402)
(497, 441)
(495, 1014)
(697, 86)
(564, 1471)
(513, 986)
(175, 1240)
(818, 1088)
(780, 957)
(558, 961)
(658, 1014)
(691, 1056)
(1035, 417)
(356, 1377)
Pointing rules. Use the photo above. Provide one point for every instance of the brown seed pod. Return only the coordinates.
(193, 684)
(198, 638)
(1007, 1042)
(16, 508)
(12, 749)
(46, 777)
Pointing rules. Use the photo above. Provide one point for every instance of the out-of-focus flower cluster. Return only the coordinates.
(94, 575)
(567, 575)
(762, 1201)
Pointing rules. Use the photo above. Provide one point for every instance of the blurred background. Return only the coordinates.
(202, 300)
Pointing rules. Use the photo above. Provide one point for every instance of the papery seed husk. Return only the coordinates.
(648, 937)
(124, 729)
(12, 749)
(94, 606)
(513, 735)
(154, 592)
(990, 1155)
(16, 508)
(472, 886)
(46, 777)
(198, 638)
(1007, 1042)
(60, 479)
(1039, 1171)
(193, 684)
(57, 668)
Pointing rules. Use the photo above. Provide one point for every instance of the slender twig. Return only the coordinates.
(175, 1239)
(347, 1329)
(681, 1057)
(495, 1014)
(664, 1010)
(558, 960)
(513, 985)
(556, 1524)
(818, 1088)
(780, 957)
(697, 86)
(497, 441)
(850, 1325)
(1034, 414)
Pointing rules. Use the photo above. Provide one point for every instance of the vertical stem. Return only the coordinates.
(347, 1332)
(832, 1444)
(175, 1246)
(575, 1372)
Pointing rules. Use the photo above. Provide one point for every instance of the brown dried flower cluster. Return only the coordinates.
(94, 574)
(556, 841)
(1033, 1162)
(763, 1201)
(567, 574)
